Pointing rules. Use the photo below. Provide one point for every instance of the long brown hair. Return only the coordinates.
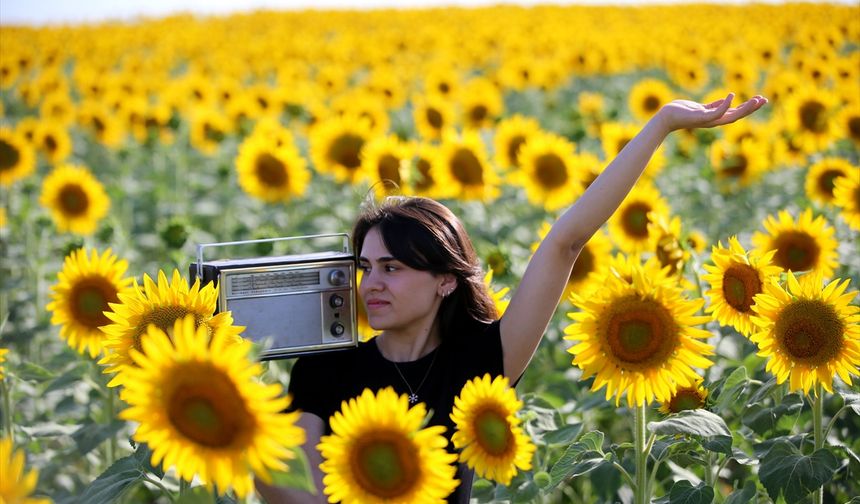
(425, 235)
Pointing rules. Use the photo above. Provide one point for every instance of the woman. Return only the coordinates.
(422, 287)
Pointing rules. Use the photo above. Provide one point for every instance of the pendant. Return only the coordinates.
(413, 398)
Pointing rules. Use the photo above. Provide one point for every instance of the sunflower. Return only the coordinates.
(738, 163)
(419, 172)
(86, 287)
(201, 406)
(665, 236)
(159, 304)
(432, 114)
(58, 108)
(801, 245)
(848, 122)
(441, 79)
(689, 74)
(16, 484)
(615, 136)
(461, 167)
(686, 398)
(646, 98)
(628, 226)
(809, 117)
(76, 199)
(638, 338)
(696, 241)
(547, 171)
(488, 431)
(3, 352)
(16, 157)
(511, 133)
(497, 295)
(736, 277)
(54, 141)
(846, 196)
(590, 266)
(383, 161)
(378, 453)
(364, 106)
(808, 333)
(481, 103)
(821, 177)
(96, 117)
(336, 144)
(209, 127)
(269, 171)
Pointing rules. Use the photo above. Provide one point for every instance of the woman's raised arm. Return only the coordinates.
(536, 298)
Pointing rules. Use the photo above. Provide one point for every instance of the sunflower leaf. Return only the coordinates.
(852, 401)
(71, 377)
(742, 495)
(563, 436)
(110, 484)
(732, 389)
(196, 495)
(92, 434)
(693, 422)
(788, 473)
(719, 444)
(34, 372)
(574, 463)
(683, 492)
(298, 474)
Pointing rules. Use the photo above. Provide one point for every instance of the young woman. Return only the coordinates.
(423, 289)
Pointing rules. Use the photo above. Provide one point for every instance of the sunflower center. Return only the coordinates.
(466, 167)
(669, 253)
(686, 399)
(493, 432)
(425, 179)
(73, 200)
(99, 125)
(826, 181)
(810, 331)
(478, 113)
(640, 333)
(346, 150)
(9, 156)
(582, 267)
(854, 128)
(550, 171)
(514, 149)
(634, 219)
(434, 118)
(205, 406)
(796, 251)
(740, 285)
(389, 168)
(813, 117)
(385, 464)
(89, 299)
(271, 170)
(50, 143)
(162, 317)
(651, 103)
(735, 165)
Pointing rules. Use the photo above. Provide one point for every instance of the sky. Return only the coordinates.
(42, 12)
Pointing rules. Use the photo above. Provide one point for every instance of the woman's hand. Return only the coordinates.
(689, 114)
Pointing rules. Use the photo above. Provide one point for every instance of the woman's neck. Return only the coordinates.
(400, 346)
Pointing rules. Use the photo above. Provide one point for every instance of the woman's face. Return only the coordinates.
(397, 298)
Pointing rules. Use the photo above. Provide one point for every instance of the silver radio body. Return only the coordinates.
(293, 304)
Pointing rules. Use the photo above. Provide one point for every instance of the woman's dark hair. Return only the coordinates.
(423, 234)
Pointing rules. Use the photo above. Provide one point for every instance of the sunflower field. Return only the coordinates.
(706, 350)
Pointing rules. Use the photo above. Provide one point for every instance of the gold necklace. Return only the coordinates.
(413, 394)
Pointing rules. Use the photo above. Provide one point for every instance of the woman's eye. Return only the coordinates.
(390, 268)
(363, 268)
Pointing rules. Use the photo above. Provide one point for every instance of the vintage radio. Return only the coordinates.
(292, 304)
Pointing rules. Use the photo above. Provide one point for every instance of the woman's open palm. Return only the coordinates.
(680, 114)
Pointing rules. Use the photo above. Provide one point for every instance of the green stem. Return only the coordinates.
(709, 472)
(183, 486)
(164, 489)
(818, 433)
(7, 409)
(833, 421)
(110, 404)
(624, 473)
(641, 494)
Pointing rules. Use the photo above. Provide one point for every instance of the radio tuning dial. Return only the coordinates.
(337, 277)
(337, 329)
(335, 301)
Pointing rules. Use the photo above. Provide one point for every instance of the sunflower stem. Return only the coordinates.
(709, 471)
(818, 433)
(110, 404)
(160, 485)
(7, 409)
(641, 495)
(183, 486)
(625, 474)
(833, 421)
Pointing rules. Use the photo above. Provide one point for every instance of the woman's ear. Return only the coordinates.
(447, 286)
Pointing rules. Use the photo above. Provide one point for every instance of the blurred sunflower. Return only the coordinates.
(432, 114)
(801, 245)
(590, 266)
(200, 404)
(420, 174)
(738, 164)
(510, 135)
(497, 295)
(16, 157)
(689, 74)
(378, 453)
(58, 108)
(646, 97)
(686, 398)
(383, 161)
(736, 277)
(614, 136)
(3, 352)
(363, 106)
(336, 144)
(76, 199)
(441, 79)
(208, 129)
(809, 117)
(96, 117)
(54, 141)
(86, 286)
(846, 196)
(481, 103)
(638, 338)
(160, 304)
(488, 432)
(628, 226)
(848, 122)
(270, 172)
(809, 333)
(16, 483)
(696, 241)
(547, 171)
(461, 167)
(665, 235)
(821, 177)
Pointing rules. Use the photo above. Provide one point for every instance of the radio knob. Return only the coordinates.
(335, 301)
(337, 329)
(337, 277)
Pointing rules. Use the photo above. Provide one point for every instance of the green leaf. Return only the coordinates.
(732, 388)
(592, 441)
(298, 474)
(124, 473)
(562, 436)
(49, 429)
(742, 495)
(695, 422)
(661, 447)
(92, 434)
(785, 471)
(33, 372)
(719, 444)
(526, 492)
(854, 500)
(483, 490)
(143, 454)
(574, 463)
(196, 495)
(683, 492)
(852, 401)
(70, 377)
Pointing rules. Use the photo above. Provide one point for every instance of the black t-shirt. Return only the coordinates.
(319, 383)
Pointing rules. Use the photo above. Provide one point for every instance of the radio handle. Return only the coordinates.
(202, 246)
